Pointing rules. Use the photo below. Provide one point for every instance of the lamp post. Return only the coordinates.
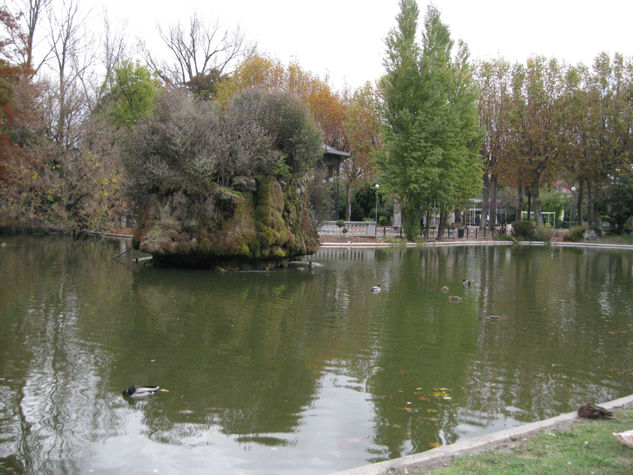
(377, 186)
(573, 190)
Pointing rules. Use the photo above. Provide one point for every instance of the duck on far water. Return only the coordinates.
(376, 288)
(466, 282)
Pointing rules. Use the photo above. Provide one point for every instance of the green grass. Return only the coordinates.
(617, 239)
(583, 448)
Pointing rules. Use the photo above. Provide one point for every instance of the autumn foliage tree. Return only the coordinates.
(363, 130)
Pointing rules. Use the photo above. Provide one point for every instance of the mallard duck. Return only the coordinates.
(466, 282)
(591, 411)
(376, 288)
(444, 289)
(454, 298)
(311, 267)
(140, 392)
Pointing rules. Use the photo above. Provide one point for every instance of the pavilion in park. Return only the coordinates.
(332, 159)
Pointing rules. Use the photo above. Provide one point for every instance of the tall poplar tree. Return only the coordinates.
(432, 133)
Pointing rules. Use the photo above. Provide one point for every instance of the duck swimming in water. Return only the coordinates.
(444, 289)
(376, 288)
(466, 282)
(140, 392)
(454, 298)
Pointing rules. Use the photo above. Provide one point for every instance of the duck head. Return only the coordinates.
(129, 391)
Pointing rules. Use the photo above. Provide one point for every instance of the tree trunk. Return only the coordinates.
(518, 217)
(348, 203)
(581, 189)
(441, 225)
(427, 224)
(410, 222)
(493, 204)
(590, 214)
(484, 202)
(537, 204)
(529, 206)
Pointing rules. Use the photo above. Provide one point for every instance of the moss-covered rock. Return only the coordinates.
(227, 228)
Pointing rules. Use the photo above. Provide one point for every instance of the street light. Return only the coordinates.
(377, 186)
(573, 190)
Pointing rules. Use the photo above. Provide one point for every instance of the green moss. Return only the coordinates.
(279, 252)
(206, 230)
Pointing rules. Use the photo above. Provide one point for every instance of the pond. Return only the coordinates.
(290, 371)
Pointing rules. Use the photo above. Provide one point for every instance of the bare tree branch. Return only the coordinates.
(196, 50)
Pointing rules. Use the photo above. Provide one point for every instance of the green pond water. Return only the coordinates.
(296, 372)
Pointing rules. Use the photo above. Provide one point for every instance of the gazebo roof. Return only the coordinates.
(332, 151)
(332, 157)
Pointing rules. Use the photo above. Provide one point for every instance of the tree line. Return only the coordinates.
(437, 130)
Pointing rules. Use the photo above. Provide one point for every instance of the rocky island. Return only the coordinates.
(224, 188)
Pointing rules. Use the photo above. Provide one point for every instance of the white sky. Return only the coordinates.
(344, 39)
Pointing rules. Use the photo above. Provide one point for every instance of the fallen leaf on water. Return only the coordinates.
(408, 409)
(159, 410)
(435, 444)
(611, 333)
(494, 373)
(431, 410)
(163, 390)
(402, 372)
(441, 394)
(423, 398)
(432, 419)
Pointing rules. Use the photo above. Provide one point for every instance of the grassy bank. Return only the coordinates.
(583, 447)
(617, 239)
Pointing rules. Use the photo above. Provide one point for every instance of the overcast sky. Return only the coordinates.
(344, 39)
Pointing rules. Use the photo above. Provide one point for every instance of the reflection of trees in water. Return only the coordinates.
(244, 353)
(52, 381)
(555, 351)
(242, 347)
(425, 345)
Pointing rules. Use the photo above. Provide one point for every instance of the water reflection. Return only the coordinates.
(271, 371)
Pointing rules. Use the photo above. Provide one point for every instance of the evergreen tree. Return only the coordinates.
(432, 133)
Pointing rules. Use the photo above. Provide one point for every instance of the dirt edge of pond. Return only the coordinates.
(501, 441)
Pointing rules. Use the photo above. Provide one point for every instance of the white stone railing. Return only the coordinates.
(354, 228)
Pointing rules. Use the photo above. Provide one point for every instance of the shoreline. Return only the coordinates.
(382, 244)
(435, 458)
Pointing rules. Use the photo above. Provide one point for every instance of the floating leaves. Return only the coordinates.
(435, 444)
(442, 393)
